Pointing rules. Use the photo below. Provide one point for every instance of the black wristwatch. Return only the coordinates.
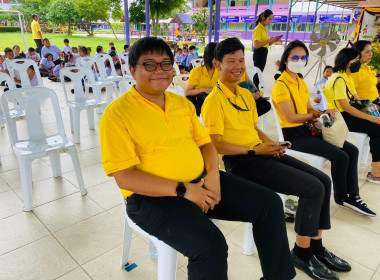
(251, 153)
(180, 190)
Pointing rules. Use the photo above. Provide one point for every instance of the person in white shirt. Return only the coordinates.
(9, 55)
(46, 65)
(53, 50)
(126, 50)
(55, 76)
(112, 45)
(321, 99)
(67, 48)
(178, 57)
(33, 55)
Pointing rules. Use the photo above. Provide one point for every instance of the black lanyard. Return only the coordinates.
(234, 105)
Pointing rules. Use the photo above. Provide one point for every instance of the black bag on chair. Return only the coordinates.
(197, 100)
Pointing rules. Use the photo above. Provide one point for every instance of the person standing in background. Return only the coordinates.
(261, 42)
(36, 32)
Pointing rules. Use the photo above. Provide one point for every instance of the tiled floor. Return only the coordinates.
(69, 236)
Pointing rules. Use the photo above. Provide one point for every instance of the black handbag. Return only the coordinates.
(197, 100)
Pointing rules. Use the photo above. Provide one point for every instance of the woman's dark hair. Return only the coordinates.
(99, 49)
(209, 55)
(84, 49)
(47, 55)
(327, 67)
(148, 45)
(292, 45)
(228, 46)
(263, 16)
(343, 58)
(361, 44)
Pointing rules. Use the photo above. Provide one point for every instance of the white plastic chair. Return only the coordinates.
(81, 100)
(362, 143)
(196, 62)
(316, 161)
(125, 71)
(124, 58)
(180, 83)
(97, 84)
(126, 84)
(176, 68)
(167, 256)
(18, 69)
(100, 60)
(37, 144)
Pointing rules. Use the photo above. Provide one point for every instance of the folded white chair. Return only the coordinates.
(81, 100)
(18, 68)
(167, 256)
(37, 144)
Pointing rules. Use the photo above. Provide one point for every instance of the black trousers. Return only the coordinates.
(182, 225)
(290, 176)
(39, 46)
(344, 161)
(373, 130)
(263, 106)
(259, 60)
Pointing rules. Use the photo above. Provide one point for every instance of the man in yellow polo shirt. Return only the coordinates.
(164, 162)
(36, 32)
(230, 117)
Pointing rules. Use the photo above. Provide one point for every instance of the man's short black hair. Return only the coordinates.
(327, 67)
(148, 45)
(47, 55)
(192, 47)
(99, 49)
(344, 57)
(45, 39)
(31, 50)
(8, 50)
(113, 48)
(111, 43)
(66, 41)
(126, 47)
(74, 48)
(228, 46)
(117, 66)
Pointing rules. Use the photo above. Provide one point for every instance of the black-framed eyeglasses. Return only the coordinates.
(233, 104)
(295, 58)
(151, 66)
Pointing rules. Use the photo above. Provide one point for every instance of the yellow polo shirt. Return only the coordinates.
(35, 28)
(200, 78)
(222, 118)
(280, 93)
(365, 83)
(261, 34)
(136, 132)
(339, 91)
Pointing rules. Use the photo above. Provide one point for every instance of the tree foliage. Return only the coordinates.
(64, 12)
(200, 21)
(137, 12)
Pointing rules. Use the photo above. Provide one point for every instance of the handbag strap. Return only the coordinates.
(348, 92)
(291, 96)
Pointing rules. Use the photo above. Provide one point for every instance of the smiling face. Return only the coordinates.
(155, 82)
(267, 20)
(232, 67)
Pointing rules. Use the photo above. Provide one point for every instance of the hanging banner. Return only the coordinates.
(334, 19)
(248, 19)
(229, 19)
(302, 19)
(280, 19)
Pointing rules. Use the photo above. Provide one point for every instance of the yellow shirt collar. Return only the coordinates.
(226, 91)
(286, 76)
(168, 97)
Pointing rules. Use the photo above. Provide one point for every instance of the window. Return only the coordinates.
(301, 27)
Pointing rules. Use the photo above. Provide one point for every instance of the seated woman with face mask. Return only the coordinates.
(290, 97)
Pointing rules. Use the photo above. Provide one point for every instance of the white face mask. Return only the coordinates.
(296, 67)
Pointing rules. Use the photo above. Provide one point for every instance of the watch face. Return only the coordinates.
(181, 190)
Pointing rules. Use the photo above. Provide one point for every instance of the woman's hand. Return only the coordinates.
(331, 112)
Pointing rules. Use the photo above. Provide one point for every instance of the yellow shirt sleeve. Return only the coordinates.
(257, 34)
(213, 115)
(199, 133)
(117, 149)
(194, 77)
(280, 92)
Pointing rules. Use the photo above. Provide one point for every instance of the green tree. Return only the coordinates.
(91, 11)
(200, 21)
(137, 12)
(64, 12)
(30, 7)
(114, 9)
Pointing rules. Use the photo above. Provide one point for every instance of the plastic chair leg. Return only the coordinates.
(366, 152)
(126, 244)
(264, 121)
(78, 171)
(26, 183)
(249, 247)
(55, 162)
(90, 118)
(167, 261)
(71, 120)
(76, 124)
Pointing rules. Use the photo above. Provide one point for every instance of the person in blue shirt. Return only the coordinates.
(52, 49)
(320, 99)
(192, 55)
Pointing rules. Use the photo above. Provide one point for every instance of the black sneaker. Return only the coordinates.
(357, 204)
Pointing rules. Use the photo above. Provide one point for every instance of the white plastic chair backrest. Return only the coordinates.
(100, 60)
(124, 58)
(196, 62)
(30, 100)
(6, 78)
(279, 130)
(125, 84)
(176, 68)
(125, 70)
(77, 74)
(87, 62)
(251, 72)
(21, 66)
(181, 82)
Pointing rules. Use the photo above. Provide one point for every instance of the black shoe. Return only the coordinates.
(314, 268)
(333, 262)
(357, 204)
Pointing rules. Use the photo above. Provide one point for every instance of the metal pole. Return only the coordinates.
(22, 30)
(287, 25)
(126, 23)
(217, 20)
(315, 15)
(256, 11)
(210, 6)
(147, 18)
(306, 24)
